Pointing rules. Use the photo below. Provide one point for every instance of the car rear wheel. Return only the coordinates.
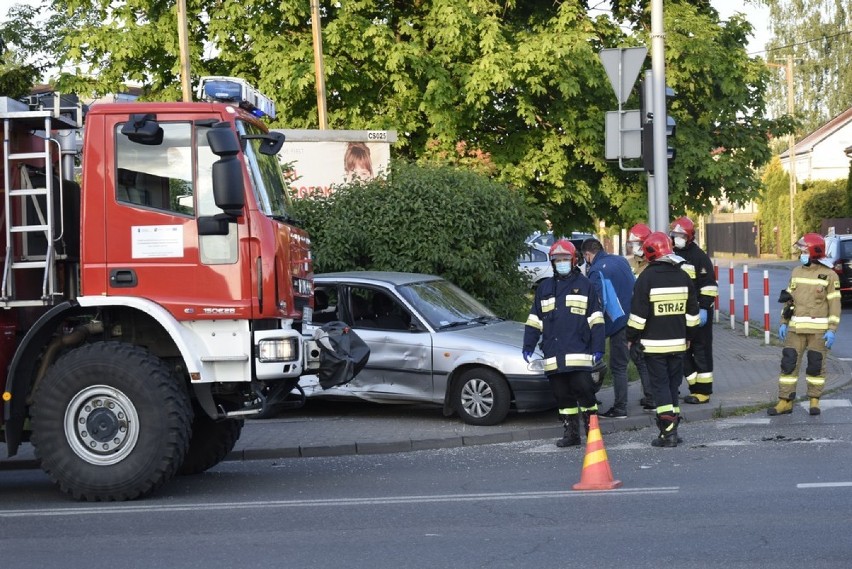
(482, 397)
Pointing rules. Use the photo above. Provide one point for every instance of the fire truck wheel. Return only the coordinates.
(110, 422)
(210, 443)
(481, 397)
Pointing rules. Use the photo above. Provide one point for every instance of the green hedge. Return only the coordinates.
(438, 220)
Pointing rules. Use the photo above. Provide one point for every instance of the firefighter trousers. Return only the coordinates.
(571, 388)
(666, 374)
(795, 347)
(698, 361)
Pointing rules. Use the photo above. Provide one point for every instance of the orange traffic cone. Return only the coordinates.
(596, 474)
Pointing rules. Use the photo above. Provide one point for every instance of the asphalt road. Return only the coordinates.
(740, 492)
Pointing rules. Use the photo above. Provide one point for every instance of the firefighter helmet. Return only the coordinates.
(657, 245)
(813, 244)
(638, 233)
(565, 248)
(685, 226)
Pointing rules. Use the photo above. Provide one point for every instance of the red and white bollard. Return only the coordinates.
(716, 300)
(766, 307)
(732, 305)
(745, 300)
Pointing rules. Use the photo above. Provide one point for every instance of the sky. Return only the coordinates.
(757, 15)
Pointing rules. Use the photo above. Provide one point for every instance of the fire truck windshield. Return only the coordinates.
(266, 178)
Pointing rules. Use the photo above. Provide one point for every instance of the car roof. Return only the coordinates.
(389, 277)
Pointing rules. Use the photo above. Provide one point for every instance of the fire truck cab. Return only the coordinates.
(151, 307)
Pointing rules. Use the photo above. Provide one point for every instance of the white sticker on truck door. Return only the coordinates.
(156, 241)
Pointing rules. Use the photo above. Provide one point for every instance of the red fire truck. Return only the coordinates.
(149, 309)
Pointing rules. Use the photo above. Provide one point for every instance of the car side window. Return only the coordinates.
(325, 304)
(845, 249)
(373, 308)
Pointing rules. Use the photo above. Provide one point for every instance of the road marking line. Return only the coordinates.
(389, 500)
(828, 403)
(824, 485)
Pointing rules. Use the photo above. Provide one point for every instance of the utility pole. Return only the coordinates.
(184, 51)
(318, 66)
(791, 108)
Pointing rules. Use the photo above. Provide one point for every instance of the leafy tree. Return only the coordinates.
(428, 219)
(25, 42)
(512, 88)
(818, 200)
(818, 34)
(774, 210)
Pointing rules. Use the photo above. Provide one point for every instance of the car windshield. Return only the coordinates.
(444, 305)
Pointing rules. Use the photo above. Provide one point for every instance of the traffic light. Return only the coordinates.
(646, 114)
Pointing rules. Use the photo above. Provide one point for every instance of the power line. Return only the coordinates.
(821, 38)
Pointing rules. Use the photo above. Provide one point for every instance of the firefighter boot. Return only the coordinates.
(571, 436)
(668, 431)
(586, 415)
(814, 410)
(783, 407)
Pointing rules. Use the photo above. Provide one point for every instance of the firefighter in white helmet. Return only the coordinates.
(809, 323)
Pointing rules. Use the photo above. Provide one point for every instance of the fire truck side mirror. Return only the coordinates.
(228, 184)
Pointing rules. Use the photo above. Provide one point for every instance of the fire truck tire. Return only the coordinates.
(210, 443)
(110, 422)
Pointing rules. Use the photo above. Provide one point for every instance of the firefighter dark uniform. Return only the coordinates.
(808, 324)
(566, 317)
(663, 318)
(698, 360)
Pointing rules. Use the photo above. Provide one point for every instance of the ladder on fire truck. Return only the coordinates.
(29, 208)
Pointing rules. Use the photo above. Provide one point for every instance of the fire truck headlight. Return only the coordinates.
(278, 350)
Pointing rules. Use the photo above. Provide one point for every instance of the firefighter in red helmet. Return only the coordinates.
(663, 318)
(698, 361)
(809, 323)
(566, 318)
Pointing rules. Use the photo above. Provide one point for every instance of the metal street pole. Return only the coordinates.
(318, 66)
(184, 51)
(661, 162)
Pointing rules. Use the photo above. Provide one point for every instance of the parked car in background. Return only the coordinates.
(544, 240)
(536, 264)
(838, 252)
(430, 342)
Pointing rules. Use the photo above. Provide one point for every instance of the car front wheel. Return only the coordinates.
(482, 397)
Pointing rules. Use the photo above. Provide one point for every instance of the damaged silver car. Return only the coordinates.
(430, 342)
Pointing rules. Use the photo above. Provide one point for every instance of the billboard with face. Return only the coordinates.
(322, 159)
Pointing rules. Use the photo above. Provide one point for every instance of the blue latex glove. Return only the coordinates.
(597, 357)
(702, 317)
(527, 356)
(782, 332)
(829, 339)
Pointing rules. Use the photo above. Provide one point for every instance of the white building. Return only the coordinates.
(821, 155)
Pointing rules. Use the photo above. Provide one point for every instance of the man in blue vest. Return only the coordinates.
(613, 281)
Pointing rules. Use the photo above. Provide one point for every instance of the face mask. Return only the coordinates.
(805, 258)
(563, 267)
(679, 242)
(636, 249)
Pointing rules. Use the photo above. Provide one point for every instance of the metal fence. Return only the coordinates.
(736, 238)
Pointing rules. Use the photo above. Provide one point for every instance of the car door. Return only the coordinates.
(400, 364)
